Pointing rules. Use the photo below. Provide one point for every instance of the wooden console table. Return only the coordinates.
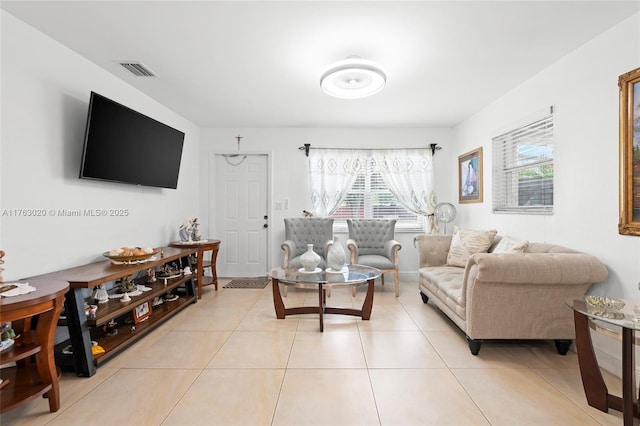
(27, 381)
(82, 330)
(203, 247)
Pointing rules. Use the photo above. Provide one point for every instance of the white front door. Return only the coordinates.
(239, 211)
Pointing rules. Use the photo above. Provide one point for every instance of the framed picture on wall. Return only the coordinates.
(629, 85)
(470, 177)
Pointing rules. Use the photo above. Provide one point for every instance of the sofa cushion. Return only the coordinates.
(510, 245)
(446, 284)
(466, 242)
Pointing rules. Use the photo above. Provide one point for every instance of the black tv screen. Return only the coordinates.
(123, 145)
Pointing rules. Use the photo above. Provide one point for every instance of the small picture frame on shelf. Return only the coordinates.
(141, 312)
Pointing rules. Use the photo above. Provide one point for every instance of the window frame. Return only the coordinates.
(537, 134)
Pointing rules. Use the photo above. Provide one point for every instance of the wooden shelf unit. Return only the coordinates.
(82, 330)
(35, 372)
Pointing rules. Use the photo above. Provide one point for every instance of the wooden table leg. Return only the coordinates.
(321, 305)
(45, 363)
(278, 304)
(200, 276)
(595, 388)
(629, 401)
(367, 306)
(214, 271)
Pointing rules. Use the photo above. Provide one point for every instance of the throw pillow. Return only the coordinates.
(466, 242)
(509, 245)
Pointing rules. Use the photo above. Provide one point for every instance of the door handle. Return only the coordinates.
(266, 217)
(265, 226)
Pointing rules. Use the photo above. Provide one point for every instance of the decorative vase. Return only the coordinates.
(336, 258)
(310, 259)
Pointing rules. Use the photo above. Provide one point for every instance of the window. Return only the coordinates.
(370, 198)
(523, 169)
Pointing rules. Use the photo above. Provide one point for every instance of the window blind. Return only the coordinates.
(523, 168)
(370, 198)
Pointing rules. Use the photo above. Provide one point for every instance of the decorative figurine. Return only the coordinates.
(110, 328)
(185, 231)
(125, 285)
(100, 295)
(151, 276)
(195, 231)
(189, 231)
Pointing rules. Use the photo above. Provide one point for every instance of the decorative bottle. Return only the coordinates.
(310, 259)
(336, 258)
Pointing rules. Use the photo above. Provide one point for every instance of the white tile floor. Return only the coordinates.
(228, 361)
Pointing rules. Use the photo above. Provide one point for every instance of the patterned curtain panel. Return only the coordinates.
(331, 174)
(409, 175)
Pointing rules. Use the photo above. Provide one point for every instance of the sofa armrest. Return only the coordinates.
(536, 268)
(433, 249)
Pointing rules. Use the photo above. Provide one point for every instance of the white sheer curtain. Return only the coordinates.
(409, 175)
(331, 174)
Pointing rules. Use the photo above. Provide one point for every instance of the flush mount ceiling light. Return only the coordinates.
(353, 78)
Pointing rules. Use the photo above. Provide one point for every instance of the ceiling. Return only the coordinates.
(246, 64)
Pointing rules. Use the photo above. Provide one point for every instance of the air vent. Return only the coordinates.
(138, 69)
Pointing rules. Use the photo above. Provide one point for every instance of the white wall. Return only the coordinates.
(583, 88)
(45, 95)
(290, 170)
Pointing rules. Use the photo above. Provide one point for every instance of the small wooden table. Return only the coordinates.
(595, 388)
(27, 381)
(203, 246)
(352, 276)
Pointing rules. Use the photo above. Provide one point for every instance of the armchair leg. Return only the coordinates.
(425, 298)
(474, 345)
(397, 284)
(353, 291)
(382, 278)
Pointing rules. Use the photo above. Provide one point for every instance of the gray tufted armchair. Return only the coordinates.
(302, 231)
(371, 242)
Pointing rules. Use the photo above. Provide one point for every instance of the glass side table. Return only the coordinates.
(595, 388)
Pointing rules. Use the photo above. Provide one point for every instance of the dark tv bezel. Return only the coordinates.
(131, 110)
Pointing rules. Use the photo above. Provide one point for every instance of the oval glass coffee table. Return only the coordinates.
(352, 275)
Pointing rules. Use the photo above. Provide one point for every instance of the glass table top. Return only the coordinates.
(623, 317)
(350, 274)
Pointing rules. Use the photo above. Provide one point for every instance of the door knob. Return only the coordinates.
(266, 217)
(265, 226)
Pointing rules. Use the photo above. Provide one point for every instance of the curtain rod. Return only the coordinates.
(307, 146)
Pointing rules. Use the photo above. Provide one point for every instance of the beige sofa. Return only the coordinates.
(507, 295)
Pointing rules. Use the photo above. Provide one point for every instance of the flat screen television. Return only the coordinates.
(123, 145)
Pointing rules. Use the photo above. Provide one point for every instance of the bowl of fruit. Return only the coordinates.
(131, 254)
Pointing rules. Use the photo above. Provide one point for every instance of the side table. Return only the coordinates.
(27, 381)
(594, 386)
(203, 246)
